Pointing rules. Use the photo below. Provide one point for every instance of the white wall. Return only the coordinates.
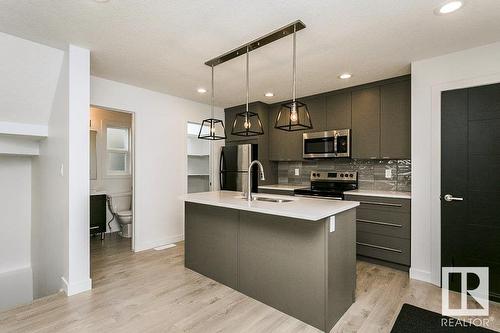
(472, 67)
(32, 76)
(50, 196)
(16, 285)
(29, 73)
(118, 187)
(160, 156)
(77, 275)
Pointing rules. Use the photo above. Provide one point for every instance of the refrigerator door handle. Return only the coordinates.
(221, 168)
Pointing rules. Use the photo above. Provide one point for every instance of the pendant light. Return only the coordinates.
(293, 116)
(211, 128)
(247, 123)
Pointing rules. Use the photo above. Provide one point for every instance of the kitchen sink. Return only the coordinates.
(275, 199)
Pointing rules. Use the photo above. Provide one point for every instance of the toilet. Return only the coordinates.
(123, 217)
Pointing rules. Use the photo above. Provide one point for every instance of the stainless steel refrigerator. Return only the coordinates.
(234, 162)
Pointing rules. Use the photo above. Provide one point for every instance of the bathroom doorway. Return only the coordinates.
(111, 183)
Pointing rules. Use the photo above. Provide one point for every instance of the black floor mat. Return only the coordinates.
(412, 319)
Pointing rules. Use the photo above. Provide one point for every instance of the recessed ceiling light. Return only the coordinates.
(202, 90)
(269, 94)
(450, 7)
(101, 1)
(344, 76)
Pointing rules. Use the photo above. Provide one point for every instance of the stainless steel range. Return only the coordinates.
(329, 185)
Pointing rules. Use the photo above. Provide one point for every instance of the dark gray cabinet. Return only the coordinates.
(283, 146)
(395, 119)
(296, 266)
(383, 230)
(379, 114)
(287, 146)
(366, 123)
(338, 111)
(317, 109)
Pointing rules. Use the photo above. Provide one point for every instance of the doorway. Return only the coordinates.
(470, 181)
(111, 178)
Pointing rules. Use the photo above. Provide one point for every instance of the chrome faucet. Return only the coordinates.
(262, 177)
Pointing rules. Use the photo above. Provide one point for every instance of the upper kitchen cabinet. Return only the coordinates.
(366, 123)
(395, 120)
(283, 146)
(287, 146)
(338, 111)
(317, 110)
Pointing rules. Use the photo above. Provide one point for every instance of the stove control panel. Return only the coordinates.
(334, 176)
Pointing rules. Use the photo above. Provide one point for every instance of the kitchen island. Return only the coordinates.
(297, 255)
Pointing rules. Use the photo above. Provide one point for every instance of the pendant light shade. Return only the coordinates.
(293, 116)
(247, 123)
(211, 128)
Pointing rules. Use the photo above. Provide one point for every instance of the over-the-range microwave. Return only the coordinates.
(327, 144)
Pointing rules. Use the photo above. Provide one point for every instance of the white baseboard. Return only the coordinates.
(418, 274)
(157, 243)
(16, 288)
(76, 287)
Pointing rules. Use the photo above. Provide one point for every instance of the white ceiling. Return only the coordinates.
(162, 45)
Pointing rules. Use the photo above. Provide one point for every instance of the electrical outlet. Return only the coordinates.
(332, 224)
(61, 170)
(388, 173)
(297, 172)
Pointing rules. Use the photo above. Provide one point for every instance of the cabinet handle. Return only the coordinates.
(381, 223)
(381, 204)
(96, 227)
(380, 247)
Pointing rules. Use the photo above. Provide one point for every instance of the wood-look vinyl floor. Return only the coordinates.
(151, 291)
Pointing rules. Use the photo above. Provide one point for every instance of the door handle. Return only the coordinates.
(449, 197)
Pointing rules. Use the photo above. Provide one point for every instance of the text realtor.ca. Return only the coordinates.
(476, 316)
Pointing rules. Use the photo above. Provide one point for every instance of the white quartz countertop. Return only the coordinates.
(384, 194)
(299, 207)
(282, 187)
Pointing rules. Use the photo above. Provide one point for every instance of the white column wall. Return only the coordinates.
(467, 68)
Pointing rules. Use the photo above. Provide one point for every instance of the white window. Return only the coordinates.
(118, 151)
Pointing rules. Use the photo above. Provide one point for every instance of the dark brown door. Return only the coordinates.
(470, 181)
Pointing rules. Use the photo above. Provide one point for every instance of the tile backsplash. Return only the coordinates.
(371, 173)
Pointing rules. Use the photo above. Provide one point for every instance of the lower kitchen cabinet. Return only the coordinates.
(383, 230)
